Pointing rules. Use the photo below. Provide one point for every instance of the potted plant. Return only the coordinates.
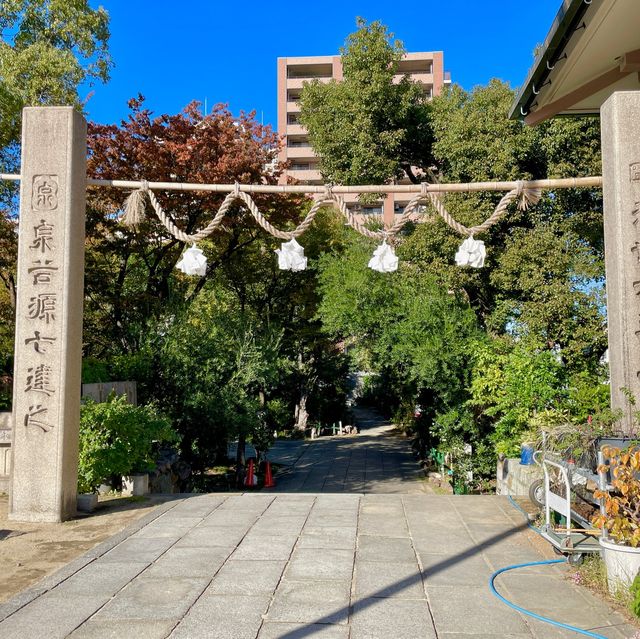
(620, 516)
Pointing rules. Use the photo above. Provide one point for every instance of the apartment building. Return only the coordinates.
(425, 68)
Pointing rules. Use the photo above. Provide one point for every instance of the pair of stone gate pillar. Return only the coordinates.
(47, 369)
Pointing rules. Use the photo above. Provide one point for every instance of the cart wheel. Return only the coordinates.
(536, 492)
(576, 559)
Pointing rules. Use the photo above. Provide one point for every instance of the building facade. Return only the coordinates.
(427, 68)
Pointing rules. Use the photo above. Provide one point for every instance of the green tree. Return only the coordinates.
(366, 128)
(48, 49)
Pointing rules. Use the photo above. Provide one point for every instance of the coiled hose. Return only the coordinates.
(524, 611)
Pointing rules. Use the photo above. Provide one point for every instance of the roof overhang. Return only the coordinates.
(591, 51)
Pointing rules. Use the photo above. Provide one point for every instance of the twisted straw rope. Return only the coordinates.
(135, 203)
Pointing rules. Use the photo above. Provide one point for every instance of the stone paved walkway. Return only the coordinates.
(375, 461)
(291, 566)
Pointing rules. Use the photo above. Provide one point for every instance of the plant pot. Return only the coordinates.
(135, 485)
(623, 564)
(87, 502)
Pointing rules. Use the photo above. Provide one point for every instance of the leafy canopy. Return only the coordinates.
(368, 128)
(48, 49)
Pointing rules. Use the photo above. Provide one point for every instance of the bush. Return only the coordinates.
(117, 438)
(635, 594)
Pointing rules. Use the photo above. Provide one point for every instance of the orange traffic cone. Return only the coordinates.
(269, 482)
(249, 480)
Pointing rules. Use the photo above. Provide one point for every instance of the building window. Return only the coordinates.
(309, 71)
(301, 166)
(292, 118)
(293, 95)
(298, 142)
(372, 210)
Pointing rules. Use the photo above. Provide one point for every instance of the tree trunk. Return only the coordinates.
(300, 414)
(240, 460)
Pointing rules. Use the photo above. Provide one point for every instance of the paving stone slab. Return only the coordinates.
(230, 518)
(130, 628)
(461, 608)
(387, 618)
(324, 602)
(386, 579)
(185, 562)
(339, 537)
(382, 526)
(100, 578)
(222, 617)
(271, 630)
(388, 549)
(331, 564)
(153, 599)
(248, 578)
(452, 570)
(279, 524)
(51, 616)
(138, 550)
(323, 518)
(212, 536)
(258, 547)
(247, 502)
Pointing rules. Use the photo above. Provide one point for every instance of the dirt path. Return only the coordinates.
(30, 551)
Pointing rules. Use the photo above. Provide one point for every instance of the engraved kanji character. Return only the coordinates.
(45, 192)
(43, 307)
(42, 272)
(43, 237)
(39, 342)
(40, 380)
(30, 419)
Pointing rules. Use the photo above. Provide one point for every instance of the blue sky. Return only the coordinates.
(174, 52)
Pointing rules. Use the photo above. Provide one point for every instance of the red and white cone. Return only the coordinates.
(249, 478)
(269, 482)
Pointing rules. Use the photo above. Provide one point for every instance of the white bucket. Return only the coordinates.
(623, 564)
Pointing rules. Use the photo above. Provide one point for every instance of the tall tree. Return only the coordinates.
(48, 49)
(130, 272)
(369, 127)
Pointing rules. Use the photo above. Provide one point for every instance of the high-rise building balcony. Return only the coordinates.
(301, 152)
(295, 129)
(298, 83)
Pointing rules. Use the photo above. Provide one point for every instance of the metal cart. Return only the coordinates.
(577, 536)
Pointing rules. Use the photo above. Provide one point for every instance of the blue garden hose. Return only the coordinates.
(524, 611)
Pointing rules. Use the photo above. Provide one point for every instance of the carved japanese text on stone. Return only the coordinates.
(45, 193)
(35, 417)
(43, 307)
(43, 237)
(42, 272)
(39, 380)
(39, 342)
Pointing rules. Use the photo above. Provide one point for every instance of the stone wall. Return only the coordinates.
(514, 478)
(5, 451)
(100, 392)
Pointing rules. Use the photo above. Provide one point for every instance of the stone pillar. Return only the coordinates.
(620, 121)
(48, 349)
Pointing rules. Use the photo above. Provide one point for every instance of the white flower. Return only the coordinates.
(193, 262)
(471, 253)
(291, 256)
(384, 259)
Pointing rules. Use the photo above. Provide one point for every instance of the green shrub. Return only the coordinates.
(635, 594)
(117, 438)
